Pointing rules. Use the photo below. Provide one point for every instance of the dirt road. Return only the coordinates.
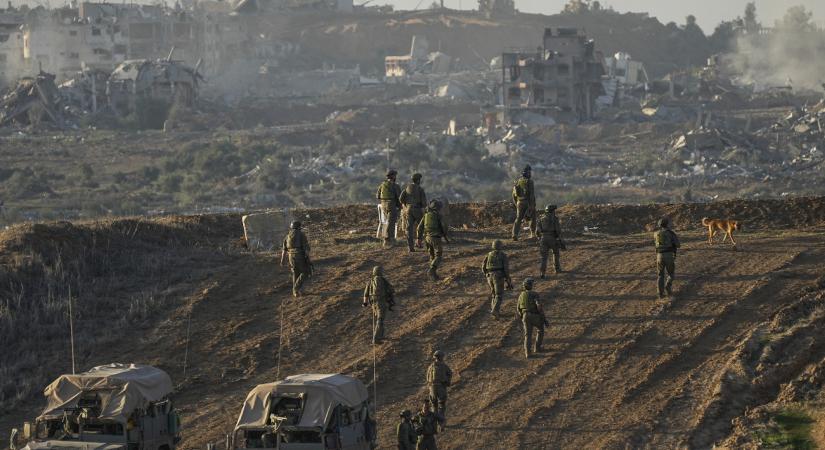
(621, 367)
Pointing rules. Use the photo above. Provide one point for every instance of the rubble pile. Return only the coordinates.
(801, 133)
(32, 102)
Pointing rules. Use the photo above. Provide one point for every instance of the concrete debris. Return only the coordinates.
(263, 231)
(160, 80)
(32, 102)
(85, 92)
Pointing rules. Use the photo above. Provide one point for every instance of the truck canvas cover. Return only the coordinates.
(122, 388)
(322, 393)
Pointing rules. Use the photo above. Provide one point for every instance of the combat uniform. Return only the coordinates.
(524, 198)
(439, 377)
(667, 243)
(296, 247)
(496, 269)
(426, 426)
(387, 195)
(405, 433)
(380, 294)
(432, 230)
(549, 230)
(532, 316)
(413, 201)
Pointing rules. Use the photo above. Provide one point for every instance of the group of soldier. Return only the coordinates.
(425, 227)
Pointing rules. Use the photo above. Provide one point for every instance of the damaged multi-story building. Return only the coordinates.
(562, 79)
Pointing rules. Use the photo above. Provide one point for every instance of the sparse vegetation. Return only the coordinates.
(789, 428)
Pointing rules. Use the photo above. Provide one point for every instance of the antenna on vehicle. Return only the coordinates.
(71, 329)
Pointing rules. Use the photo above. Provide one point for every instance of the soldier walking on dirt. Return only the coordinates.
(413, 201)
(524, 199)
(405, 432)
(667, 243)
(387, 195)
(439, 378)
(426, 426)
(496, 269)
(296, 247)
(532, 316)
(432, 230)
(549, 232)
(380, 294)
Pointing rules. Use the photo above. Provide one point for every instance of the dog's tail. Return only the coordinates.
(705, 221)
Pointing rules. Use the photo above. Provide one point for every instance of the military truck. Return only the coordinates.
(307, 412)
(111, 407)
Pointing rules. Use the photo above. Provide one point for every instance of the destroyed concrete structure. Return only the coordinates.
(162, 80)
(562, 79)
(33, 101)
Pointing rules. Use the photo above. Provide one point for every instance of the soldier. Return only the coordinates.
(297, 247)
(439, 377)
(667, 243)
(413, 201)
(532, 316)
(496, 269)
(387, 195)
(549, 231)
(432, 230)
(426, 426)
(405, 433)
(380, 294)
(524, 199)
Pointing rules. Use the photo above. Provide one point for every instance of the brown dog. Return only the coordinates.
(726, 226)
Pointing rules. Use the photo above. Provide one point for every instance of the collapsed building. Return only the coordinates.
(419, 61)
(33, 101)
(164, 81)
(562, 79)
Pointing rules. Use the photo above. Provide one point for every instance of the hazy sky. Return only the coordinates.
(708, 12)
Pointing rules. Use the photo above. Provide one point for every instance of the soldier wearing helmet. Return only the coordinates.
(432, 230)
(413, 201)
(532, 316)
(496, 269)
(549, 232)
(380, 294)
(426, 426)
(405, 432)
(296, 248)
(439, 377)
(524, 199)
(387, 196)
(667, 243)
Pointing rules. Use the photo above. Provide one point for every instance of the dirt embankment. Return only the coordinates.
(795, 213)
(622, 367)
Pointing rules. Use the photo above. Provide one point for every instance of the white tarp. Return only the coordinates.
(122, 388)
(322, 393)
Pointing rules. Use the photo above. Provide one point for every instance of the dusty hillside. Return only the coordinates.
(622, 367)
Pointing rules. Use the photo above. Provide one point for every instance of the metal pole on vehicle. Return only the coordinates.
(71, 329)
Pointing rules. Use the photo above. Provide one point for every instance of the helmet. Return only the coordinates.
(377, 270)
(295, 225)
(438, 354)
(497, 244)
(435, 204)
(416, 177)
(527, 171)
(391, 173)
(549, 208)
(406, 413)
(663, 222)
(527, 283)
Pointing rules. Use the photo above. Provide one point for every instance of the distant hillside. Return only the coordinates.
(366, 39)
